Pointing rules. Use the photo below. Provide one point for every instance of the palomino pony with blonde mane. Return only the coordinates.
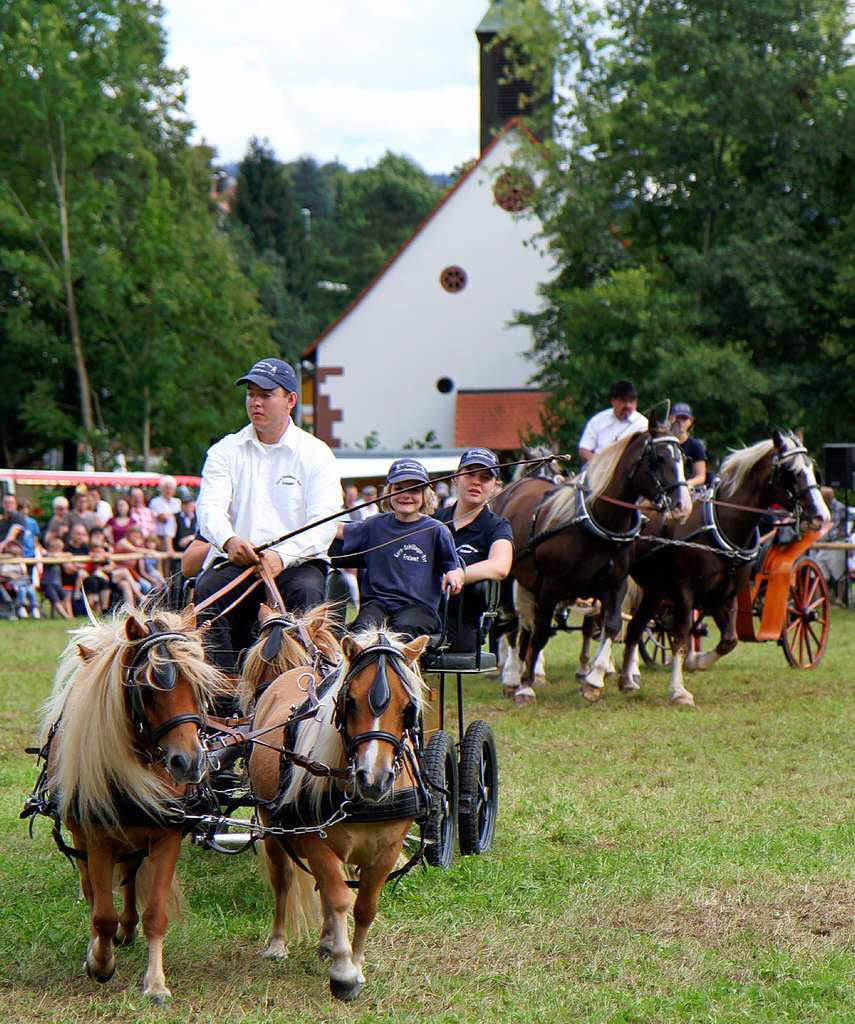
(366, 731)
(575, 540)
(121, 743)
(722, 535)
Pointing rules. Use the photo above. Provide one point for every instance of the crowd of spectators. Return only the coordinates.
(111, 549)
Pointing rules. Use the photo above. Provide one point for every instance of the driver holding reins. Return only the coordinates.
(257, 485)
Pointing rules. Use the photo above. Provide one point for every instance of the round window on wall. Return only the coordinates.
(453, 279)
(445, 385)
(513, 190)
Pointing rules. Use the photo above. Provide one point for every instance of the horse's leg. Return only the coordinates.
(542, 631)
(162, 861)
(539, 677)
(603, 664)
(630, 676)
(100, 957)
(585, 653)
(280, 870)
(677, 692)
(336, 900)
(725, 618)
(510, 666)
(371, 880)
(525, 603)
(128, 918)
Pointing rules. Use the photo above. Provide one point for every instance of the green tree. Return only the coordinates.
(707, 144)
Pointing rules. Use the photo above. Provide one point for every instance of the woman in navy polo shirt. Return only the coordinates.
(484, 541)
(408, 558)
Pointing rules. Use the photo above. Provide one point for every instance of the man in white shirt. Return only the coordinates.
(165, 507)
(257, 485)
(611, 425)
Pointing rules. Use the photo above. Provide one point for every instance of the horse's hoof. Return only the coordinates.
(524, 696)
(158, 996)
(345, 990)
(509, 690)
(683, 700)
(591, 693)
(104, 976)
(632, 685)
(275, 951)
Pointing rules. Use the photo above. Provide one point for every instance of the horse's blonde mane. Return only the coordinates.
(598, 475)
(93, 759)
(739, 464)
(318, 737)
(291, 654)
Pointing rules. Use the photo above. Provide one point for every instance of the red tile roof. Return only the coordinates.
(497, 419)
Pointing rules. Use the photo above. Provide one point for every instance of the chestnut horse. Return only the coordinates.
(708, 576)
(366, 731)
(575, 540)
(121, 742)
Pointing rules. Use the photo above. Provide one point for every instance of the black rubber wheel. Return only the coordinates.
(479, 789)
(440, 828)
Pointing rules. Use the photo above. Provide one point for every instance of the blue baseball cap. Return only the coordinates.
(407, 469)
(681, 409)
(480, 457)
(270, 374)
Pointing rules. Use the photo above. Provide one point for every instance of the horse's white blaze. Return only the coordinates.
(368, 761)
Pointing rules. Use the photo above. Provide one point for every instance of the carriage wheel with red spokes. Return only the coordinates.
(805, 633)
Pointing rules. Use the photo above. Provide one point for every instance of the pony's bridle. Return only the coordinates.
(165, 676)
(662, 496)
(379, 697)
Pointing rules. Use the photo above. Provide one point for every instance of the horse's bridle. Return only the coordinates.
(165, 675)
(662, 497)
(786, 476)
(379, 697)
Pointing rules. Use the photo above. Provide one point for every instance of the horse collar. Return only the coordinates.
(711, 526)
(583, 516)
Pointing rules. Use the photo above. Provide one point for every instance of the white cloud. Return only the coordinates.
(334, 78)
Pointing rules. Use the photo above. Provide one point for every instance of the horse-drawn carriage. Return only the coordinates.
(340, 766)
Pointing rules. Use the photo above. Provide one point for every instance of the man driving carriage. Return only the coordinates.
(258, 484)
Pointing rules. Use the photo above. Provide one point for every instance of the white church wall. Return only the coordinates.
(407, 332)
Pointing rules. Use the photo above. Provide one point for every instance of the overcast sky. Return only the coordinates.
(344, 79)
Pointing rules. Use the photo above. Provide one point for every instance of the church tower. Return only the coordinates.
(503, 96)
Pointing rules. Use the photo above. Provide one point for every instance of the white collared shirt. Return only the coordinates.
(261, 491)
(605, 428)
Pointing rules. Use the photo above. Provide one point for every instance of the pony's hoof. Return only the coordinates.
(158, 996)
(683, 699)
(275, 951)
(345, 990)
(591, 693)
(524, 696)
(632, 685)
(102, 977)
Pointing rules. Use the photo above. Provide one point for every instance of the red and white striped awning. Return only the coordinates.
(71, 478)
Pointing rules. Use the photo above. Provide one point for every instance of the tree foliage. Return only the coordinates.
(698, 193)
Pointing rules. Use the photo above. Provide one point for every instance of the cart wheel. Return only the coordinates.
(654, 645)
(479, 789)
(805, 631)
(440, 827)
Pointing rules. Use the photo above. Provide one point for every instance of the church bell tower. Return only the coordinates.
(503, 96)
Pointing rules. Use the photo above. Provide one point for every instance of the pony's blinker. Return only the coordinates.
(380, 693)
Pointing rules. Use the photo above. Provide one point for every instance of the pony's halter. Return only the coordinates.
(379, 698)
(165, 676)
(662, 496)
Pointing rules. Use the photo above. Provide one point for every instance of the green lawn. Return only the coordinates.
(651, 865)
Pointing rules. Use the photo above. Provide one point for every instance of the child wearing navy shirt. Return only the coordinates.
(407, 558)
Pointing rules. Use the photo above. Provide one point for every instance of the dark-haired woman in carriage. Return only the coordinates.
(484, 540)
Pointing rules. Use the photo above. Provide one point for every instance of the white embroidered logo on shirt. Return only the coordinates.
(411, 553)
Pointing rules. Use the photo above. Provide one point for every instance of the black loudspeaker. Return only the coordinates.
(840, 465)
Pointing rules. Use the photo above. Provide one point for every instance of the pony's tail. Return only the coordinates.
(302, 903)
(144, 886)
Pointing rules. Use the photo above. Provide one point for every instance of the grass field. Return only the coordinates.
(651, 865)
